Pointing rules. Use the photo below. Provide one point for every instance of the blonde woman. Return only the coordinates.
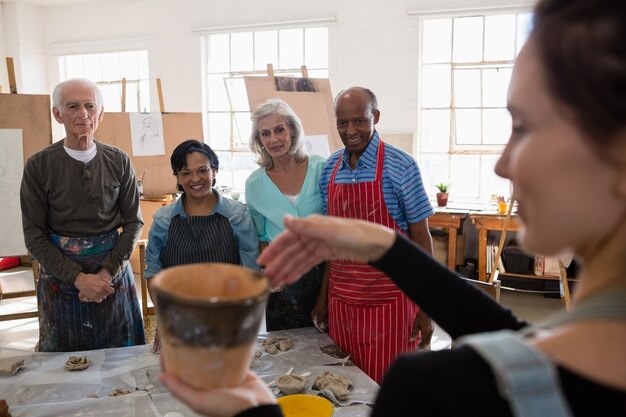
(285, 183)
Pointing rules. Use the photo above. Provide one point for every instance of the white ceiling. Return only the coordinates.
(62, 2)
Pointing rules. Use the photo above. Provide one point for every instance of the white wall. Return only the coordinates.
(23, 41)
(372, 43)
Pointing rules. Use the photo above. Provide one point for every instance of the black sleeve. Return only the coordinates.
(458, 382)
(456, 306)
(453, 382)
(267, 410)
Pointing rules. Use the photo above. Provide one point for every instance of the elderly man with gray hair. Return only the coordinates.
(76, 195)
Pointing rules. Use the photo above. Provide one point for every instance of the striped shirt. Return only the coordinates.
(403, 189)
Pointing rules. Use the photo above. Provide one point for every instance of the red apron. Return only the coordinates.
(369, 317)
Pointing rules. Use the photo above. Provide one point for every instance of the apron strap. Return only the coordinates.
(524, 376)
(609, 304)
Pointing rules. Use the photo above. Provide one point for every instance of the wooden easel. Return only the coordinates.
(31, 114)
(564, 286)
(159, 91)
(310, 98)
(11, 75)
(492, 286)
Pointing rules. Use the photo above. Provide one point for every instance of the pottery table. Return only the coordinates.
(45, 388)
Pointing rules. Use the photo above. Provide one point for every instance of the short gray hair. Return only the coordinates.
(373, 99)
(57, 94)
(279, 107)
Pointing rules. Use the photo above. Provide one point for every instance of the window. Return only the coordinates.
(107, 70)
(466, 65)
(230, 57)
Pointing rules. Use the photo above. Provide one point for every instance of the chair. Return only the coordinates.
(19, 294)
(145, 309)
(564, 286)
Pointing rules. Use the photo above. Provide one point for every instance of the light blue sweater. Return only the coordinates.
(268, 205)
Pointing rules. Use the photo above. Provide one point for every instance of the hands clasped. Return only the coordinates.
(94, 287)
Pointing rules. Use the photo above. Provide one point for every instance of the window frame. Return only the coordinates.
(241, 149)
(454, 148)
(61, 57)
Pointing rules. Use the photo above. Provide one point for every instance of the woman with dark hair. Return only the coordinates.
(566, 158)
(201, 225)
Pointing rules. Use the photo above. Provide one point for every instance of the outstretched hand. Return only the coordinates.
(308, 241)
(221, 402)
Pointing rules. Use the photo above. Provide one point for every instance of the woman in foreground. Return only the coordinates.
(566, 159)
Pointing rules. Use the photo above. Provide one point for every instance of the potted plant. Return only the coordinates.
(442, 195)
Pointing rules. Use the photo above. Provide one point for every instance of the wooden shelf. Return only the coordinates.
(487, 222)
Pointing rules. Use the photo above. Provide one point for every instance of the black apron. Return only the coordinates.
(198, 239)
(291, 307)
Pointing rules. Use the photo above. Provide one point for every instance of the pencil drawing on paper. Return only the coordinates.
(147, 134)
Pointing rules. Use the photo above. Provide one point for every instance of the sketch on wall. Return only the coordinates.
(11, 168)
(146, 132)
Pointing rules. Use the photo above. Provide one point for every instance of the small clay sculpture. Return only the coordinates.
(285, 345)
(9, 367)
(118, 392)
(334, 351)
(290, 384)
(275, 343)
(77, 363)
(335, 383)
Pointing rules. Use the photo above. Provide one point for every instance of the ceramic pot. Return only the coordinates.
(209, 316)
(442, 199)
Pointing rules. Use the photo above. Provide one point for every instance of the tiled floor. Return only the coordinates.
(23, 334)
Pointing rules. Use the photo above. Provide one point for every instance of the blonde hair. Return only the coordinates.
(279, 107)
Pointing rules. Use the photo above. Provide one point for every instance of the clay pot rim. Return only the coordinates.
(212, 301)
(163, 291)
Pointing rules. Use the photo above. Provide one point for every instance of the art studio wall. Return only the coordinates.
(372, 43)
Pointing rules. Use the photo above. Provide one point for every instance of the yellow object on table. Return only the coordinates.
(305, 405)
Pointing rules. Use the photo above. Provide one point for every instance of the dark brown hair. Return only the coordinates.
(582, 47)
(178, 159)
